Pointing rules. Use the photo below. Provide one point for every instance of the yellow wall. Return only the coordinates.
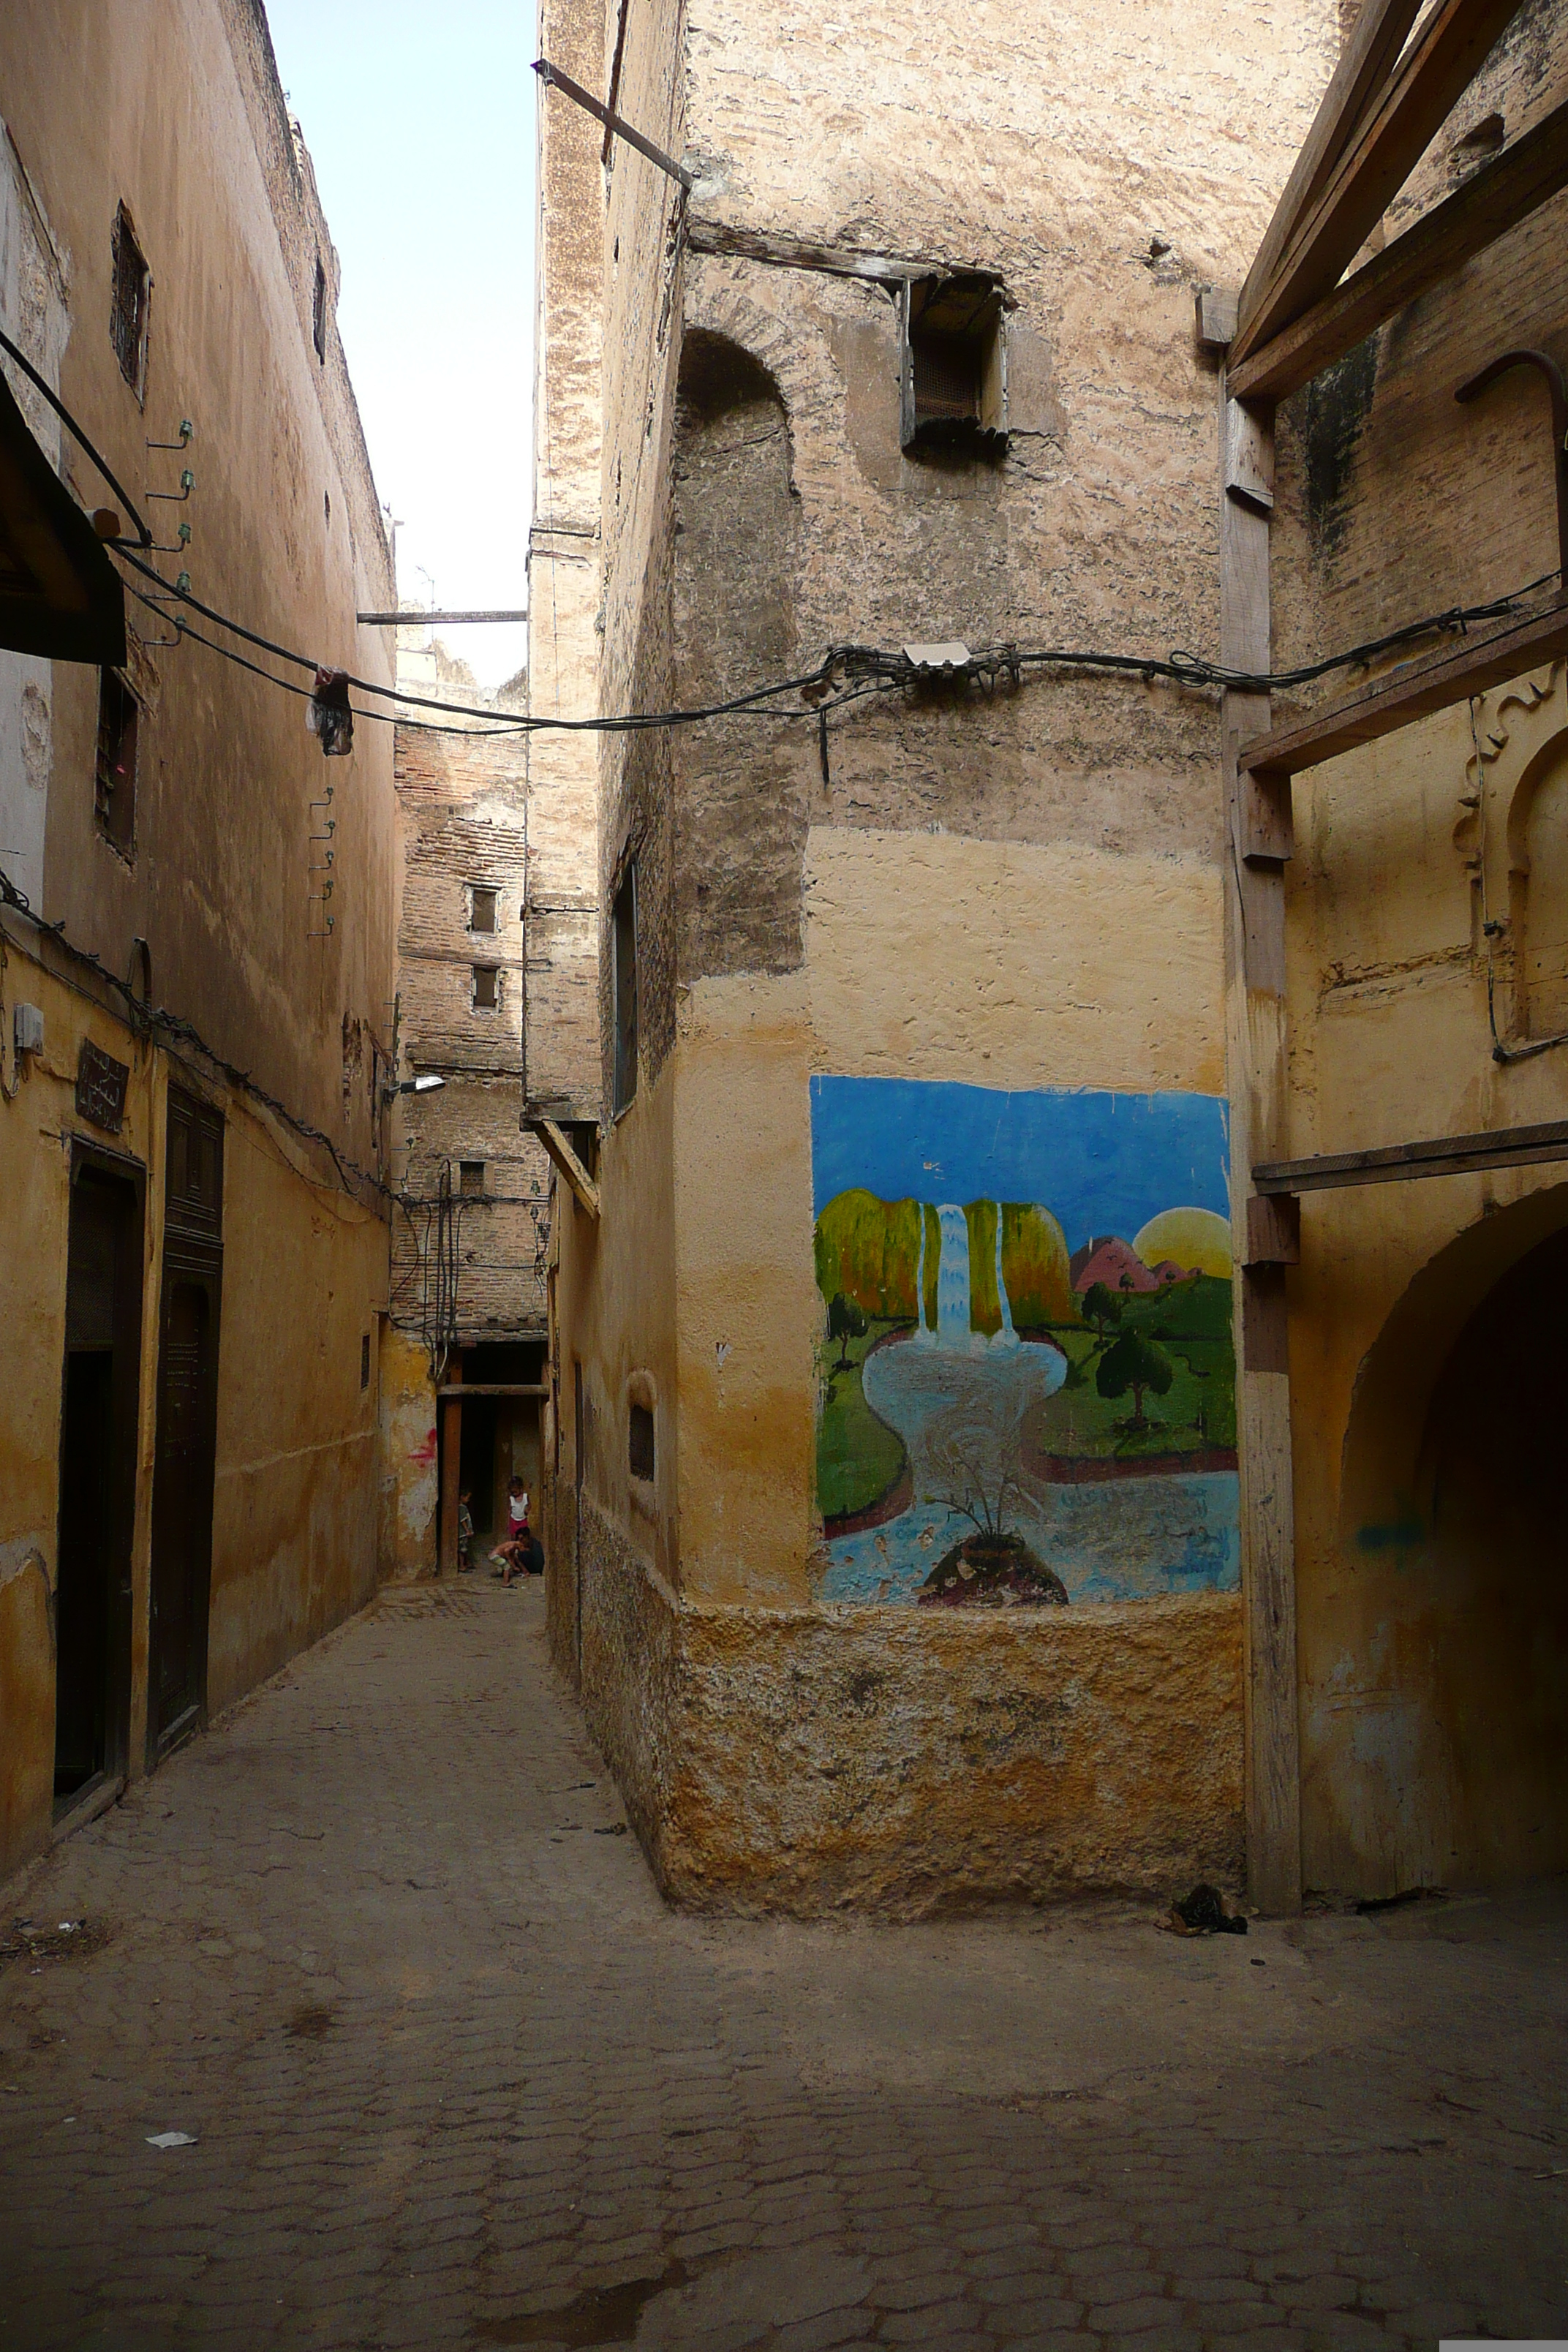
(1414, 1672)
(295, 1518)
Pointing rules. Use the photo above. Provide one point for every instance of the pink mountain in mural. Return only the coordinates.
(1116, 1264)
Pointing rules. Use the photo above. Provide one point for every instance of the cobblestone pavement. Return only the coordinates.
(380, 1945)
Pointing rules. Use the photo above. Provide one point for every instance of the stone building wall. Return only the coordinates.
(1426, 949)
(1004, 892)
(210, 909)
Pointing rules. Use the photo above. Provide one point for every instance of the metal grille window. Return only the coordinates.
(471, 1179)
(114, 785)
(487, 987)
(132, 301)
(482, 908)
(954, 372)
(624, 948)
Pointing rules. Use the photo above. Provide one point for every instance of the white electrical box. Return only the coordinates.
(27, 1029)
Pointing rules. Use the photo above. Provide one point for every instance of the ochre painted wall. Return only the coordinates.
(1434, 1662)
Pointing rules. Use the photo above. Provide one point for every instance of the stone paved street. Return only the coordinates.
(380, 1944)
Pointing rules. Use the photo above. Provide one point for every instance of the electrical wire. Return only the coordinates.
(143, 535)
(866, 670)
(847, 672)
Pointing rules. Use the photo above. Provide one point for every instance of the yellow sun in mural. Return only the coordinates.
(1194, 1239)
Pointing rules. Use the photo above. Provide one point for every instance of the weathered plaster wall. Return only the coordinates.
(180, 116)
(1018, 891)
(1434, 1664)
(409, 1453)
(295, 1512)
(294, 1534)
(800, 1759)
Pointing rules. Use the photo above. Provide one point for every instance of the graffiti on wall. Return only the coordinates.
(1026, 1385)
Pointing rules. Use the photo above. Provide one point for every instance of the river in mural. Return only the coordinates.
(1027, 1390)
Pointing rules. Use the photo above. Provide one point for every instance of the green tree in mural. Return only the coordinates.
(845, 1322)
(1137, 1363)
(1102, 1307)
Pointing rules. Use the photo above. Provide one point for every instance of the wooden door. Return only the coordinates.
(185, 1460)
(98, 1475)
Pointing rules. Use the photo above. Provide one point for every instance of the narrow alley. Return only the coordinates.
(448, 2071)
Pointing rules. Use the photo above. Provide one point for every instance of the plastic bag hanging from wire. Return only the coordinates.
(328, 713)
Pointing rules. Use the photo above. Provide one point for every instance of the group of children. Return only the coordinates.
(520, 1553)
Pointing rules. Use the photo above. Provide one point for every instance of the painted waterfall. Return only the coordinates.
(1028, 1394)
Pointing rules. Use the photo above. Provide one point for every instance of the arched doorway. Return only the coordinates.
(1490, 1476)
(1436, 1738)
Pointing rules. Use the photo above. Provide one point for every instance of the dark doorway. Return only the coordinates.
(187, 1423)
(476, 1478)
(98, 1475)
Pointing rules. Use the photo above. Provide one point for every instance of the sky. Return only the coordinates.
(420, 123)
(1101, 1162)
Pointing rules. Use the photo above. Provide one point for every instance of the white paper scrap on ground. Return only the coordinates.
(171, 2139)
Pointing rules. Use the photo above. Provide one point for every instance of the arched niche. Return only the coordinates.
(740, 783)
(1436, 1738)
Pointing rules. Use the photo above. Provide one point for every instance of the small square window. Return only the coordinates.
(131, 301)
(319, 312)
(954, 370)
(487, 987)
(365, 1360)
(114, 785)
(623, 948)
(471, 1179)
(482, 908)
(639, 1443)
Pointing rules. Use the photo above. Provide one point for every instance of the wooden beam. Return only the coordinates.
(560, 1150)
(784, 252)
(1444, 1155)
(1367, 59)
(497, 1388)
(1494, 199)
(1256, 1057)
(1432, 75)
(1413, 691)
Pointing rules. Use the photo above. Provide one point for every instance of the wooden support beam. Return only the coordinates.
(497, 1388)
(1443, 1155)
(559, 1147)
(1273, 1228)
(1367, 59)
(451, 1413)
(1494, 199)
(1433, 74)
(1256, 1056)
(1413, 691)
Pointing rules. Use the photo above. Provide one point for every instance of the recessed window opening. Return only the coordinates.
(132, 282)
(487, 987)
(482, 908)
(954, 366)
(639, 1443)
(319, 312)
(471, 1179)
(114, 781)
(364, 1360)
(624, 954)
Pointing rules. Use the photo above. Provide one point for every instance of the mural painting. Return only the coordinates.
(1028, 1390)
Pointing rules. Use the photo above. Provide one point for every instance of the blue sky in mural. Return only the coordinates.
(1102, 1163)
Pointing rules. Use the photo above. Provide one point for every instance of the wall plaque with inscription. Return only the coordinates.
(101, 1084)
